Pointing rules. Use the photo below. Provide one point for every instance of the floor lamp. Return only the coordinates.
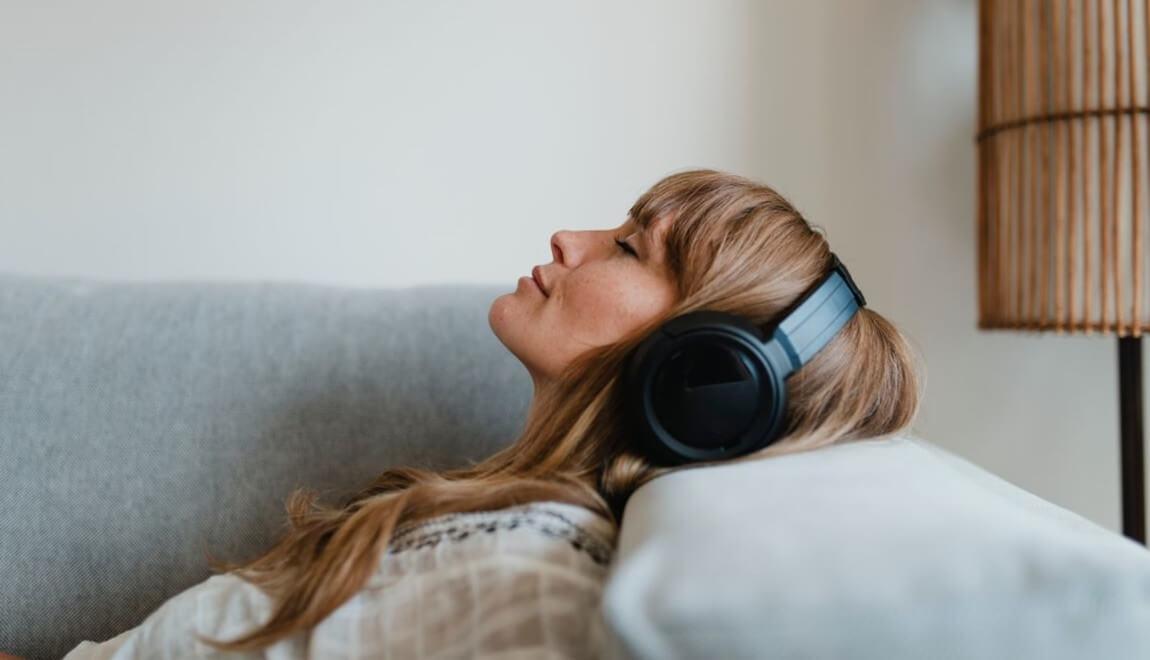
(1063, 172)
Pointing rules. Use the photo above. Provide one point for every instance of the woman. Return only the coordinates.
(696, 240)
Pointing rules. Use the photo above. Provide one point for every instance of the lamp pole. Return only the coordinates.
(1130, 404)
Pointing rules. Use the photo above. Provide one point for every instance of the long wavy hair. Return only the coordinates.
(733, 245)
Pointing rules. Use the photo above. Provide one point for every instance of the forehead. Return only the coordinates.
(647, 224)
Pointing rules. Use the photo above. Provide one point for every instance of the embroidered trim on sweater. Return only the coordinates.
(551, 523)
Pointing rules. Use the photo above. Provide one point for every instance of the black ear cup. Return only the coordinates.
(708, 385)
(703, 388)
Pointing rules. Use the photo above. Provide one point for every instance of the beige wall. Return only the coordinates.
(388, 144)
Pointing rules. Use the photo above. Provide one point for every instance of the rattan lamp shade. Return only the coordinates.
(1062, 147)
(1062, 185)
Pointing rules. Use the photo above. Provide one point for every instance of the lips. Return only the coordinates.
(537, 275)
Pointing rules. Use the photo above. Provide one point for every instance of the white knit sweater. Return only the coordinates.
(521, 582)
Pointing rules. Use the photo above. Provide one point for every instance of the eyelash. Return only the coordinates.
(626, 248)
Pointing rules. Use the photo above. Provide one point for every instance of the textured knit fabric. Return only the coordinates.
(522, 582)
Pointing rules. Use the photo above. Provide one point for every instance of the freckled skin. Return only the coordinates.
(597, 294)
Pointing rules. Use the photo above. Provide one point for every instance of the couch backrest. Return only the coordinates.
(142, 424)
(886, 548)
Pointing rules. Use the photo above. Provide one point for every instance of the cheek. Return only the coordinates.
(602, 309)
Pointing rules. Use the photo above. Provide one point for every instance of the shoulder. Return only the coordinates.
(526, 579)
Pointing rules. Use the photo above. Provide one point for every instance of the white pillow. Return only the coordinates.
(884, 548)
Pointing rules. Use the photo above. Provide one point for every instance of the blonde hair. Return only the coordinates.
(733, 245)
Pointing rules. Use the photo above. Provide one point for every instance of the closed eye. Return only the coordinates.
(626, 248)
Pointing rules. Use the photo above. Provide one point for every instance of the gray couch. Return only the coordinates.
(145, 424)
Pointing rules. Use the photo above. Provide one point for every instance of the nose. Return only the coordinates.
(572, 248)
(558, 240)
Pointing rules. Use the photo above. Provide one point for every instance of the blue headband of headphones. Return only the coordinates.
(818, 316)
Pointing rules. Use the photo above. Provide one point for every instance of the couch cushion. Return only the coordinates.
(142, 423)
(885, 548)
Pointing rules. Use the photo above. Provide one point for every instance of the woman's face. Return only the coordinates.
(594, 292)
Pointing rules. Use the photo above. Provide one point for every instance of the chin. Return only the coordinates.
(501, 317)
(495, 314)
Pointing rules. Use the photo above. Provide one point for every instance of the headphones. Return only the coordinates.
(709, 385)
